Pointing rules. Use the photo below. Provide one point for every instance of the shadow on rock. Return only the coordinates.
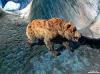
(58, 40)
(92, 42)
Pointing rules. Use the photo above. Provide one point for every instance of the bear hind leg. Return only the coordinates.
(50, 47)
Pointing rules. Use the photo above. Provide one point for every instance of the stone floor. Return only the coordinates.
(16, 57)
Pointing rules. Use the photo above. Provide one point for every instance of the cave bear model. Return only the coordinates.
(49, 29)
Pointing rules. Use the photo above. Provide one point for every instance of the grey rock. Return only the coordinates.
(16, 57)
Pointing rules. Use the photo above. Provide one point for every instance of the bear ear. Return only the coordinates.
(68, 24)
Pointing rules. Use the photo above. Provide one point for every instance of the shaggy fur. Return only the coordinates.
(49, 29)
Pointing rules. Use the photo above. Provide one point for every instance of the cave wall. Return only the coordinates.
(80, 12)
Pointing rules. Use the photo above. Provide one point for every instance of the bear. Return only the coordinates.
(49, 29)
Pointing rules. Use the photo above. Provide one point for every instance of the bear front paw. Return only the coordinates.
(55, 53)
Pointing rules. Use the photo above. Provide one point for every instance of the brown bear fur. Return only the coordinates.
(48, 29)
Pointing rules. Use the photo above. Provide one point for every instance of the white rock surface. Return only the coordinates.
(24, 13)
(10, 5)
(88, 10)
(96, 27)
